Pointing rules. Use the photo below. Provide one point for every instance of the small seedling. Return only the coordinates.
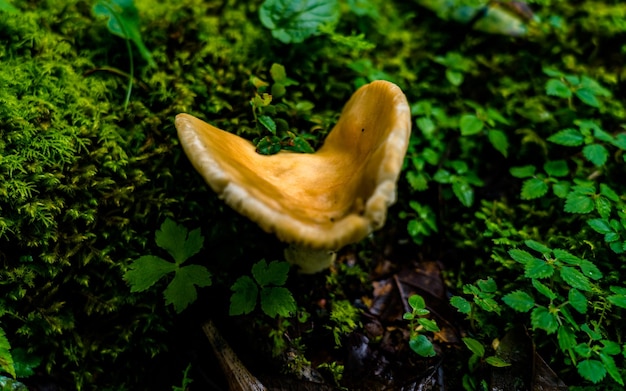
(266, 278)
(147, 270)
(418, 342)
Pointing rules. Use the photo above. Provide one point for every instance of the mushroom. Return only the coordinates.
(318, 202)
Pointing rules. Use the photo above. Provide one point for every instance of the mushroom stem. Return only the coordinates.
(309, 260)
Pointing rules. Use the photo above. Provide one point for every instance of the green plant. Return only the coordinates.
(186, 380)
(181, 245)
(266, 282)
(293, 22)
(419, 342)
(6, 359)
(344, 319)
(124, 22)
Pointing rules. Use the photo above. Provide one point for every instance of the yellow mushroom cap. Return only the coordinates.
(325, 200)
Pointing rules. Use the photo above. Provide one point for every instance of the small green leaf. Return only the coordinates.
(618, 300)
(293, 22)
(181, 291)
(543, 289)
(566, 257)
(555, 87)
(609, 365)
(519, 301)
(556, 168)
(566, 338)
(422, 346)
(578, 203)
(537, 246)
(568, 137)
(538, 268)
(173, 238)
(461, 304)
(541, 318)
(268, 123)
(269, 145)
(575, 279)
(417, 302)
(577, 300)
(6, 359)
(474, 346)
(596, 154)
(426, 125)
(487, 285)
(470, 124)
(521, 256)
(429, 325)
(603, 207)
(454, 77)
(609, 193)
(523, 171)
(590, 270)
(124, 22)
(497, 362)
(601, 226)
(244, 298)
(561, 189)
(534, 188)
(587, 96)
(592, 370)
(146, 271)
(273, 274)
(500, 142)
(277, 301)
(464, 192)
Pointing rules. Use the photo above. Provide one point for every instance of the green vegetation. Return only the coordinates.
(514, 181)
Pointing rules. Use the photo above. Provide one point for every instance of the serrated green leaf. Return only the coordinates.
(461, 304)
(592, 370)
(601, 226)
(174, 239)
(519, 301)
(618, 300)
(146, 271)
(543, 289)
(181, 291)
(25, 363)
(539, 247)
(464, 192)
(428, 324)
(417, 302)
(488, 304)
(274, 273)
(244, 298)
(561, 189)
(534, 188)
(568, 137)
(609, 193)
(577, 300)
(521, 256)
(123, 21)
(500, 142)
(497, 362)
(587, 96)
(422, 346)
(538, 268)
(566, 338)
(593, 334)
(470, 124)
(556, 168)
(523, 171)
(566, 257)
(610, 347)
(6, 359)
(583, 350)
(590, 270)
(418, 181)
(277, 301)
(603, 207)
(293, 22)
(541, 318)
(596, 154)
(575, 279)
(578, 203)
(268, 123)
(487, 285)
(474, 346)
(555, 87)
(611, 368)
